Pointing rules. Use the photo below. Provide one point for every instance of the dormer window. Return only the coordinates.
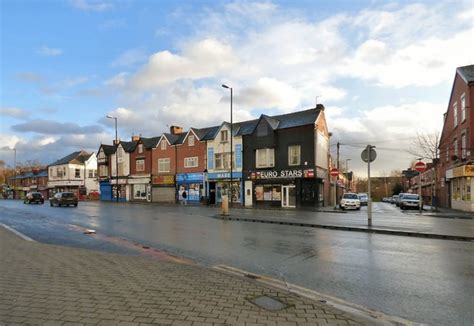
(140, 148)
(163, 144)
(224, 136)
(191, 140)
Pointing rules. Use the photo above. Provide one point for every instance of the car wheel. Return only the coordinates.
(358, 208)
(51, 203)
(75, 205)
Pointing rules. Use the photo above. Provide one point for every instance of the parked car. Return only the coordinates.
(34, 197)
(410, 201)
(63, 199)
(386, 199)
(350, 200)
(400, 196)
(363, 197)
(393, 199)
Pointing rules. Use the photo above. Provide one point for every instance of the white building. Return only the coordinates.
(76, 172)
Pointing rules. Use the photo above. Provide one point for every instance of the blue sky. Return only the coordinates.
(383, 69)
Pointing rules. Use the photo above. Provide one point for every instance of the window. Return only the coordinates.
(262, 130)
(224, 136)
(59, 172)
(103, 170)
(77, 173)
(164, 165)
(447, 154)
(455, 145)
(91, 173)
(140, 148)
(265, 158)
(95, 173)
(463, 145)
(463, 107)
(163, 144)
(191, 162)
(139, 191)
(294, 155)
(191, 140)
(222, 161)
(140, 165)
(455, 111)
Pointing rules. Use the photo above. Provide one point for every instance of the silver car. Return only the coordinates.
(410, 201)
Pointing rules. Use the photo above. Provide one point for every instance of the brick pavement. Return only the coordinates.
(44, 284)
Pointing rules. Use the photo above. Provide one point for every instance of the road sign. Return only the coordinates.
(420, 166)
(334, 172)
(365, 156)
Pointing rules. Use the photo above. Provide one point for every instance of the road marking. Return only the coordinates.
(21, 235)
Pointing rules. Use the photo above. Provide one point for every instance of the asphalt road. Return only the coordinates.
(423, 280)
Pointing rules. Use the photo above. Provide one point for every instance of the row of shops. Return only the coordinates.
(283, 188)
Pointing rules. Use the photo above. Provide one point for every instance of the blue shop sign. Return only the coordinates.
(189, 177)
(224, 175)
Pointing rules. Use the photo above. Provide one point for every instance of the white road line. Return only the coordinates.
(21, 235)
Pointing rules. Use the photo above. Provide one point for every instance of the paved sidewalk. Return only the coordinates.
(52, 285)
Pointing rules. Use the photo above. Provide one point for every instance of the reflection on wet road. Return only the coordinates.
(423, 280)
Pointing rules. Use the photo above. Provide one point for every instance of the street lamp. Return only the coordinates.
(347, 173)
(116, 159)
(14, 171)
(231, 142)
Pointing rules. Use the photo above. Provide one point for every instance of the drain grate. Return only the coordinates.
(268, 303)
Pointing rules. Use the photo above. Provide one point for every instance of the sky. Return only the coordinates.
(382, 69)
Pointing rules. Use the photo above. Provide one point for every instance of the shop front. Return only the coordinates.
(122, 189)
(462, 182)
(163, 189)
(105, 190)
(192, 184)
(288, 188)
(219, 183)
(140, 189)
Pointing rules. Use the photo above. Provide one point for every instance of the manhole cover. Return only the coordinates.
(268, 303)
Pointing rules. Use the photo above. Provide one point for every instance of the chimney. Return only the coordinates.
(176, 130)
(135, 138)
(320, 107)
(116, 143)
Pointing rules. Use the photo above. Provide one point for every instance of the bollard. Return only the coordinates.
(225, 206)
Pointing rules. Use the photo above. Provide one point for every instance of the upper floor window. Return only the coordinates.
(91, 173)
(77, 173)
(455, 111)
(262, 130)
(463, 107)
(140, 165)
(294, 155)
(191, 162)
(103, 172)
(447, 154)
(265, 157)
(191, 140)
(59, 172)
(164, 165)
(163, 144)
(455, 145)
(463, 145)
(224, 135)
(222, 161)
(140, 148)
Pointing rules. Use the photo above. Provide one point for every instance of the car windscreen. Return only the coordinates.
(410, 197)
(36, 195)
(350, 196)
(67, 195)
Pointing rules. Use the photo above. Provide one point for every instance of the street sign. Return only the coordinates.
(420, 166)
(365, 156)
(334, 172)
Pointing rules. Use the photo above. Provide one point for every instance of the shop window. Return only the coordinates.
(265, 158)
(140, 165)
(268, 193)
(463, 107)
(294, 155)
(191, 140)
(191, 162)
(139, 191)
(163, 144)
(164, 165)
(77, 173)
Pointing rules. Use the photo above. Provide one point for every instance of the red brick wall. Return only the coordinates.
(198, 150)
(169, 152)
(146, 154)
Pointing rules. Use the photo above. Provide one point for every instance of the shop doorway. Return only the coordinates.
(212, 193)
(288, 196)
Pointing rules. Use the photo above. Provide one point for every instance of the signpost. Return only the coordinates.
(420, 167)
(334, 173)
(369, 155)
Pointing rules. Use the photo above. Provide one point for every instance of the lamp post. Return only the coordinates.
(14, 171)
(231, 142)
(347, 174)
(116, 160)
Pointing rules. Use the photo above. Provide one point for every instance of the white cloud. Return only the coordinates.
(130, 57)
(8, 141)
(118, 80)
(92, 5)
(14, 113)
(49, 52)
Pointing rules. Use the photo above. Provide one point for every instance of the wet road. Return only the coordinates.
(424, 280)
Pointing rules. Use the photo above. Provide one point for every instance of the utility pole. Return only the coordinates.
(337, 165)
(14, 178)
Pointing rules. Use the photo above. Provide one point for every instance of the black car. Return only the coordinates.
(63, 199)
(34, 197)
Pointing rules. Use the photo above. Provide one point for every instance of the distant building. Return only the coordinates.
(456, 148)
(33, 180)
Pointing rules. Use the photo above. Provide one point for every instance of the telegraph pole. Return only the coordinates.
(337, 165)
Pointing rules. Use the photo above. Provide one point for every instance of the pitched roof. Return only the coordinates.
(206, 133)
(129, 146)
(271, 121)
(466, 73)
(245, 127)
(150, 142)
(75, 158)
(172, 138)
(108, 149)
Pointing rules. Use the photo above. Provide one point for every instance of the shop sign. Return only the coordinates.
(464, 171)
(163, 180)
(307, 173)
(189, 177)
(224, 175)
